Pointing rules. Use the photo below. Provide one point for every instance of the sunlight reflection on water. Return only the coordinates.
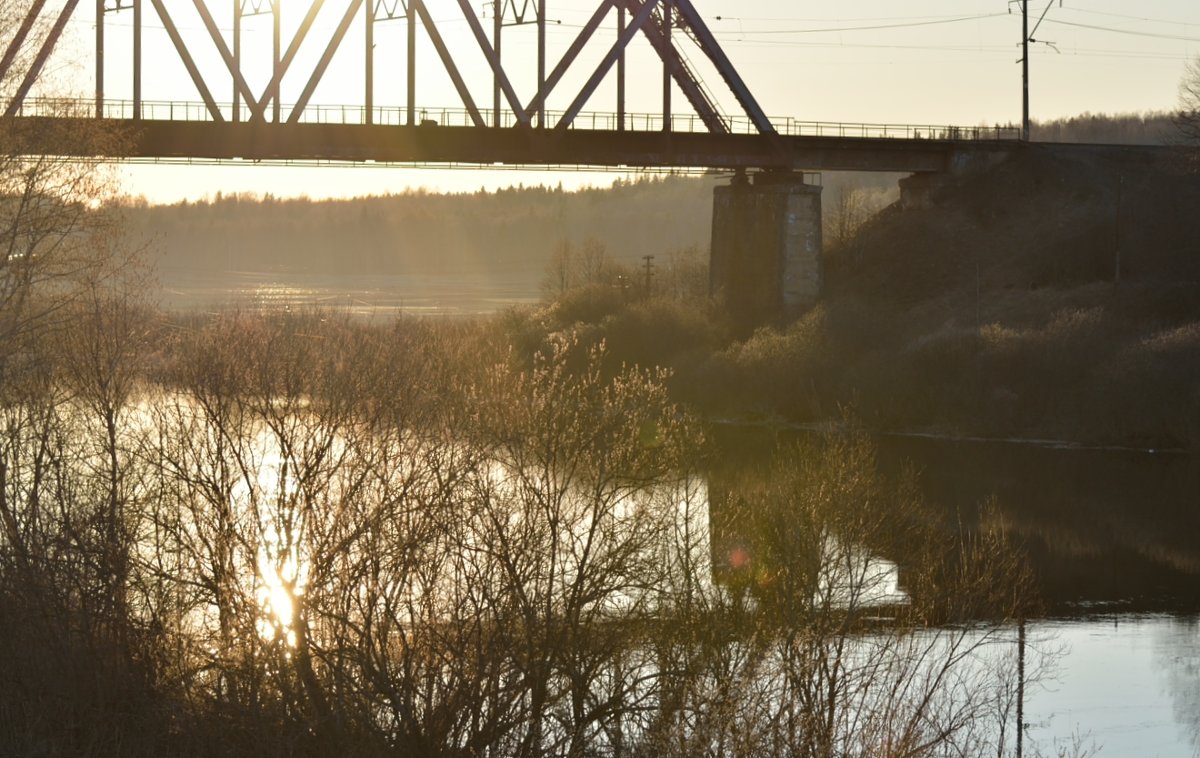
(380, 295)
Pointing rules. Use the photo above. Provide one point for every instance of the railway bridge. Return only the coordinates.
(766, 237)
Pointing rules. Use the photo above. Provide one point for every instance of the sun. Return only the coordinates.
(282, 581)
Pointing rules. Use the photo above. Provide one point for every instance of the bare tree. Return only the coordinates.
(853, 207)
(686, 274)
(70, 343)
(68, 361)
(348, 538)
(560, 274)
(55, 237)
(1187, 119)
(594, 266)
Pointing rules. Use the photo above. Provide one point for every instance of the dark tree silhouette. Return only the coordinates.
(1187, 120)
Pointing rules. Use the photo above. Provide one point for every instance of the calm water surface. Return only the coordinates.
(1129, 683)
(1114, 538)
(373, 295)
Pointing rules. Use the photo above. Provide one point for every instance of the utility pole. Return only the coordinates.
(277, 68)
(1025, 70)
(541, 61)
(369, 33)
(1117, 231)
(1021, 686)
(649, 267)
(99, 58)
(1026, 38)
(497, 32)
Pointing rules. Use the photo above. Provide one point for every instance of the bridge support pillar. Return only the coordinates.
(765, 263)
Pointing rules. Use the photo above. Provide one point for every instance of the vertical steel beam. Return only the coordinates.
(231, 63)
(668, 49)
(38, 62)
(541, 60)
(494, 60)
(708, 43)
(99, 58)
(621, 72)
(188, 63)
(448, 61)
(606, 64)
(369, 115)
(323, 64)
(497, 30)
(137, 60)
(277, 67)
(237, 58)
(259, 112)
(14, 46)
(589, 29)
(412, 62)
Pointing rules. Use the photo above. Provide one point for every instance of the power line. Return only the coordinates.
(1172, 22)
(1130, 32)
(904, 25)
(1004, 50)
(827, 20)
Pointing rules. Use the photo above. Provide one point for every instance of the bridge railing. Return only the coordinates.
(158, 110)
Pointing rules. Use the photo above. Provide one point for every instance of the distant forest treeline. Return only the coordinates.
(1153, 128)
(513, 230)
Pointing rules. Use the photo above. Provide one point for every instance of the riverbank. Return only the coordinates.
(1050, 297)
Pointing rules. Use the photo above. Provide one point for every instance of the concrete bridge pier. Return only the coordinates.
(765, 263)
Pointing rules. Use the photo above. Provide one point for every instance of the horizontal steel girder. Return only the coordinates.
(255, 141)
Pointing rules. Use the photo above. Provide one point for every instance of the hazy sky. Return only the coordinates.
(914, 62)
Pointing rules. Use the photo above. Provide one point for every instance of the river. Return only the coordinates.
(1113, 534)
(1114, 539)
(361, 295)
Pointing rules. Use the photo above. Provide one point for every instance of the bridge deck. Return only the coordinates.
(512, 146)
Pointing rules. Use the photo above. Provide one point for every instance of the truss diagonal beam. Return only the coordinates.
(188, 63)
(708, 43)
(334, 43)
(47, 47)
(494, 60)
(605, 65)
(448, 61)
(572, 53)
(683, 76)
(218, 40)
(14, 47)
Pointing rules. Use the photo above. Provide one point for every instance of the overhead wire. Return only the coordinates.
(1129, 32)
(827, 20)
(1172, 22)
(761, 37)
(877, 27)
(900, 22)
(986, 49)
(745, 36)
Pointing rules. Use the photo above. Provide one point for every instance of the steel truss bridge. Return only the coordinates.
(257, 125)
